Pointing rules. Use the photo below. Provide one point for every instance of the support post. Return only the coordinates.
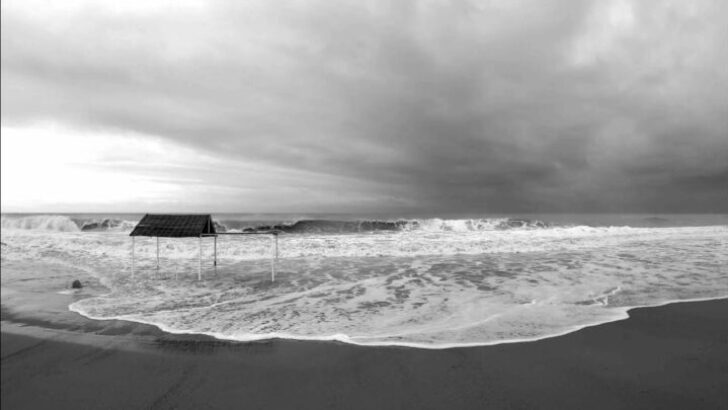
(199, 267)
(273, 261)
(215, 261)
(157, 253)
(132, 257)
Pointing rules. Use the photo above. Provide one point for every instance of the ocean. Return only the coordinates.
(418, 281)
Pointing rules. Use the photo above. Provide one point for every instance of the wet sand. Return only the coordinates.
(674, 356)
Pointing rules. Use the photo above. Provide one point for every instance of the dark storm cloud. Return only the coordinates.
(428, 106)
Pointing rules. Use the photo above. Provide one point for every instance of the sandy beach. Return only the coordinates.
(364, 205)
(673, 356)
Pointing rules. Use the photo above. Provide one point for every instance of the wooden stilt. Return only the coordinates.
(157, 253)
(215, 261)
(199, 268)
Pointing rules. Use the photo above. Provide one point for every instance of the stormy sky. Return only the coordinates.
(370, 107)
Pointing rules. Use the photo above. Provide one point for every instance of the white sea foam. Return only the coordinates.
(63, 223)
(59, 223)
(426, 288)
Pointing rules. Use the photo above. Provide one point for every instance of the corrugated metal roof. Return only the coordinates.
(174, 226)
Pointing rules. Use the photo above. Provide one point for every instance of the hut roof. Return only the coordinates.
(174, 226)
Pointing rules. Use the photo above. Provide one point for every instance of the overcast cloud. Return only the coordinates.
(350, 106)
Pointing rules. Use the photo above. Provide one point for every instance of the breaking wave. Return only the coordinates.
(62, 223)
(106, 224)
(427, 225)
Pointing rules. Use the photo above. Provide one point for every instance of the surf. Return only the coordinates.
(435, 283)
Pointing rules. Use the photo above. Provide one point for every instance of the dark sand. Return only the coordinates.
(674, 356)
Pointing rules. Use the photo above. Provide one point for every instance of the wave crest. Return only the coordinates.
(58, 223)
(427, 225)
(62, 223)
(106, 224)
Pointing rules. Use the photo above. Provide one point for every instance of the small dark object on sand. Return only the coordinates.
(76, 284)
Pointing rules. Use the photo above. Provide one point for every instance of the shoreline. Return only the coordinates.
(82, 324)
(60, 303)
(47, 304)
(625, 315)
(672, 356)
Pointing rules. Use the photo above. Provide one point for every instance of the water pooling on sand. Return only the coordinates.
(428, 283)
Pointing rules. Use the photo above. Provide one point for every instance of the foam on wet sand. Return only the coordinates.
(674, 356)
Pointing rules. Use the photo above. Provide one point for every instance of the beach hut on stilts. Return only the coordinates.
(187, 226)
